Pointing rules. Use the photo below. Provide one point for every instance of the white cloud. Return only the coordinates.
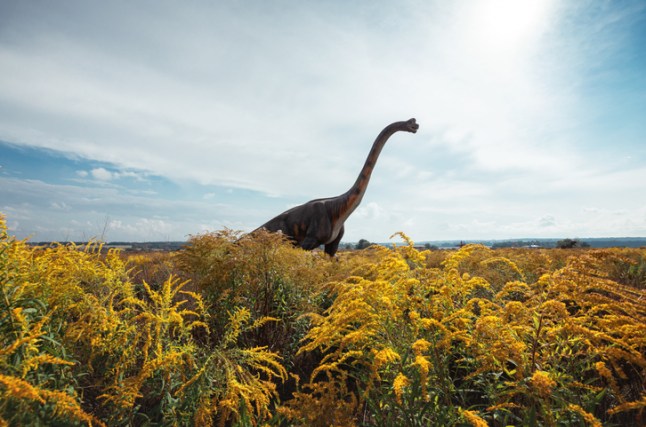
(60, 206)
(69, 212)
(128, 102)
(142, 227)
(102, 174)
(370, 211)
(287, 103)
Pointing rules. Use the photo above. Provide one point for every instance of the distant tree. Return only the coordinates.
(362, 244)
(566, 244)
(571, 243)
(430, 247)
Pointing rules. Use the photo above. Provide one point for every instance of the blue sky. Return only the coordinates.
(156, 120)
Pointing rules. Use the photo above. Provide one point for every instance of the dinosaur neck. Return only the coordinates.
(352, 198)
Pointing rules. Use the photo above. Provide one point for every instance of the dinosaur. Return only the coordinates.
(321, 221)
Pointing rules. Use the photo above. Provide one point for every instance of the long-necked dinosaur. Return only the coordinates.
(320, 221)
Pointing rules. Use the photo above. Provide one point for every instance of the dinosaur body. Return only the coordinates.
(320, 221)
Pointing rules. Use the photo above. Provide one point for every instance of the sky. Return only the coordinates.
(159, 120)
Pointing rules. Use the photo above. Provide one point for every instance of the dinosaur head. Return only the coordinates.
(411, 126)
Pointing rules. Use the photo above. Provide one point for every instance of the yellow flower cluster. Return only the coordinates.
(528, 326)
(542, 383)
(71, 317)
(223, 332)
(474, 419)
(399, 384)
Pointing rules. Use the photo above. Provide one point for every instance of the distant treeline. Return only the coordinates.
(601, 242)
(126, 246)
(594, 242)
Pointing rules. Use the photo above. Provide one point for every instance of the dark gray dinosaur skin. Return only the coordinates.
(320, 221)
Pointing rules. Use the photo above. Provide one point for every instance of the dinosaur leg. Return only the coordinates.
(333, 246)
(310, 243)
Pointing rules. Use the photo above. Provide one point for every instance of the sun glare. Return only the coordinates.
(507, 26)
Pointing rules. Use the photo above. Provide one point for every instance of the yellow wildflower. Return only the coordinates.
(424, 367)
(588, 417)
(515, 311)
(474, 419)
(639, 404)
(542, 383)
(603, 371)
(505, 405)
(383, 356)
(606, 374)
(20, 389)
(237, 319)
(413, 315)
(399, 383)
(420, 346)
(555, 309)
(66, 406)
(428, 323)
(586, 386)
(204, 413)
(36, 361)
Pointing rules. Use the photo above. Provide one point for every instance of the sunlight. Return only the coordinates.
(507, 26)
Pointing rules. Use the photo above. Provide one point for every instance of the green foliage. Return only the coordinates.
(265, 274)
(362, 244)
(571, 243)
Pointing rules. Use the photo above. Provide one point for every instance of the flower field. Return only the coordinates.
(253, 331)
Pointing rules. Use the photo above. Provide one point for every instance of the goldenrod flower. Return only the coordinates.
(604, 371)
(66, 406)
(424, 366)
(473, 418)
(515, 310)
(542, 383)
(413, 315)
(588, 417)
(554, 308)
(20, 389)
(639, 404)
(503, 406)
(420, 346)
(384, 356)
(399, 383)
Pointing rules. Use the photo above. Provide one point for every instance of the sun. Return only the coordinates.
(508, 26)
